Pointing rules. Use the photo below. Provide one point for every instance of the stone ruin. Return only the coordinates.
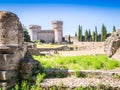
(15, 61)
(112, 45)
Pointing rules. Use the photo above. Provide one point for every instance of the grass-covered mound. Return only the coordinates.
(86, 62)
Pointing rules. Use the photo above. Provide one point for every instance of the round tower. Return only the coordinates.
(58, 31)
(33, 31)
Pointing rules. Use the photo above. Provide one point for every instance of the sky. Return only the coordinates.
(87, 13)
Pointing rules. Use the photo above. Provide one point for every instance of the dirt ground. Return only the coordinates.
(81, 52)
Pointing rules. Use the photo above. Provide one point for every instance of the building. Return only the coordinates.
(55, 34)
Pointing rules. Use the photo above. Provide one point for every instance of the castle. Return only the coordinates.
(56, 34)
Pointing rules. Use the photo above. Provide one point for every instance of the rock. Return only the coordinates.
(13, 51)
(112, 45)
(11, 32)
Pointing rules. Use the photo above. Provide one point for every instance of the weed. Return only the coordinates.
(84, 62)
(116, 76)
(80, 74)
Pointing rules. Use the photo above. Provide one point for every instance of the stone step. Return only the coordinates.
(84, 73)
(72, 82)
(8, 75)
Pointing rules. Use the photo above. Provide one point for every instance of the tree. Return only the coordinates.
(99, 37)
(114, 29)
(93, 36)
(89, 35)
(26, 35)
(103, 33)
(69, 40)
(75, 34)
(79, 33)
(86, 35)
(96, 34)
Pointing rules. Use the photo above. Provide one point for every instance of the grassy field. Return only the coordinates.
(85, 62)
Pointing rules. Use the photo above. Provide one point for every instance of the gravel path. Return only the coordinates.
(73, 82)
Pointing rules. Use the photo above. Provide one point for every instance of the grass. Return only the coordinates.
(86, 62)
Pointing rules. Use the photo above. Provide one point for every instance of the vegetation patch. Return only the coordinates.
(85, 62)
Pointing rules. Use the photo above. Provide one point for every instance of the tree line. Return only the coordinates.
(94, 36)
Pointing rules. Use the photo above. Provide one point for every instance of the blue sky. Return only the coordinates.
(86, 13)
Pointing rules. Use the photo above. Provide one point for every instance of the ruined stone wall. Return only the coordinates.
(10, 27)
(112, 45)
(15, 60)
(11, 50)
(46, 35)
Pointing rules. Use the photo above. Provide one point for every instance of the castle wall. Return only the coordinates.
(34, 29)
(46, 35)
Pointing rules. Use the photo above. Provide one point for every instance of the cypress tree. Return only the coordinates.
(69, 40)
(86, 35)
(103, 33)
(96, 34)
(75, 34)
(89, 35)
(93, 36)
(114, 29)
(99, 37)
(79, 33)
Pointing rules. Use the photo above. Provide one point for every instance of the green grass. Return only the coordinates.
(86, 62)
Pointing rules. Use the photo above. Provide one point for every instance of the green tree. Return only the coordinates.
(93, 36)
(26, 35)
(103, 33)
(69, 40)
(79, 33)
(114, 29)
(89, 35)
(96, 34)
(86, 35)
(99, 37)
(75, 34)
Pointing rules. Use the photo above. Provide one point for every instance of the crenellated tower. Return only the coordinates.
(58, 31)
(33, 31)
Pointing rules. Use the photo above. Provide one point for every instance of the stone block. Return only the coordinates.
(11, 31)
(9, 67)
(7, 75)
(8, 85)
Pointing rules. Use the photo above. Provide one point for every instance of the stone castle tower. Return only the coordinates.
(56, 34)
(58, 30)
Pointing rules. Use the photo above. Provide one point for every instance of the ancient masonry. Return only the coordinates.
(54, 35)
(13, 52)
(112, 45)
